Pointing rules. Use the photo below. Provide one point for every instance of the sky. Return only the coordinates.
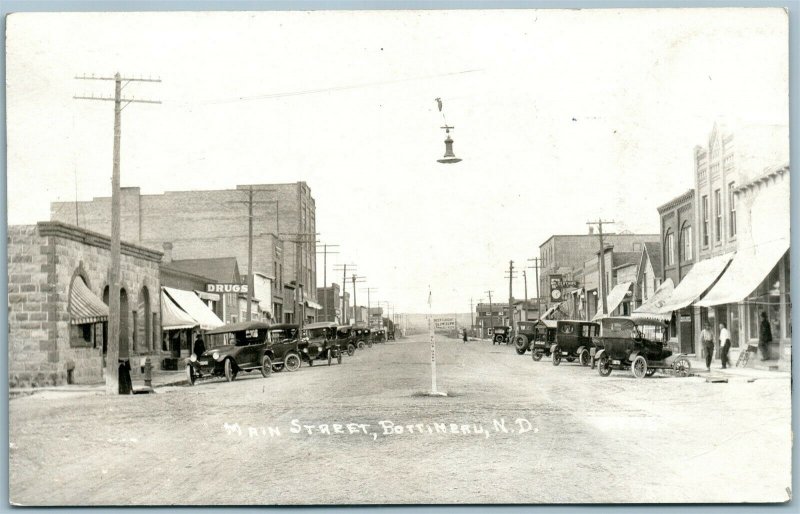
(561, 116)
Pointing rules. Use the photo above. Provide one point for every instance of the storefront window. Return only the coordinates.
(766, 298)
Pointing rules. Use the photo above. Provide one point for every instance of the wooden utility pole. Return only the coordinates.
(602, 258)
(250, 217)
(471, 317)
(356, 279)
(299, 238)
(369, 307)
(343, 268)
(491, 311)
(511, 277)
(525, 305)
(325, 253)
(536, 266)
(114, 315)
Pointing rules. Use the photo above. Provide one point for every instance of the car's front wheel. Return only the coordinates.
(266, 366)
(584, 357)
(190, 376)
(521, 344)
(230, 372)
(339, 357)
(351, 349)
(604, 366)
(330, 357)
(361, 345)
(556, 356)
(536, 355)
(291, 362)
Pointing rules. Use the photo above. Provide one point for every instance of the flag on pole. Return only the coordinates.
(429, 298)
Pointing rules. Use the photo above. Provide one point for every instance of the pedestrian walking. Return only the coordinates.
(707, 338)
(199, 346)
(724, 344)
(464, 335)
(764, 336)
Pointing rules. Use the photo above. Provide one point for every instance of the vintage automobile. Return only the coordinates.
(319, 342)
(501, 335)
(574, 340)
(347, 339)
(363, 337)
(390, 334)
(528, 332)
(284, 347)
(543, 338)
(234, 348)
(379, 335)
(639, 344)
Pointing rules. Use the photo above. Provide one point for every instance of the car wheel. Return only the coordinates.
(338, 357)
(291, 361)
(369, 344)
(230, 373)
(639, 367)
(361, 345)
(190, 376)
(537, 355)
(604, 366)
(584, 358)
(330, 357)
(557, 356)
(498, 339)
(310, 361)
(351, 350)
(521, 343)
(682, 367)
(266, 366)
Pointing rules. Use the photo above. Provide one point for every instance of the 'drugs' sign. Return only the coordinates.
(226, 288)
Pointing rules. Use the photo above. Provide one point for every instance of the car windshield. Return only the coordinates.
(316, 333)
(652, 332)
(525, 326)
(283, 334)
(618, 328)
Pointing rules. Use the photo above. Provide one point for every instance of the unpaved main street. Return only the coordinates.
(570, 436)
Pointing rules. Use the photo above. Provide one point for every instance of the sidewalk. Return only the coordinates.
(750, 374)
(160, 379)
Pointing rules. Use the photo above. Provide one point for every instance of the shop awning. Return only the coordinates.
(702, 275)
(313, 305)
(748, 269)
(84, 305)
(549, 312)
(191, 304)
(767, 243)
(615, 297)
(652, 307)
(173, 317)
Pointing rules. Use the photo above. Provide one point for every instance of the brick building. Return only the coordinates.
(330, 298)
(57, 299)
(488, 316)
(211, 224)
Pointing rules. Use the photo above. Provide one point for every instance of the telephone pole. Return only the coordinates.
(113, 343)
(536, 266)
(369, 307)
(471, 318)
(356, 279)
(511, 277)
(602, 280)
(345, 304)
(250, 279)
(299, 238)
(325, 253)
(491, 311)
(525, 305)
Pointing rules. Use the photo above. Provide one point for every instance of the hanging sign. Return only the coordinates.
(226, 288)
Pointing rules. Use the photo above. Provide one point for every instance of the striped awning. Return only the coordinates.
(84, 306)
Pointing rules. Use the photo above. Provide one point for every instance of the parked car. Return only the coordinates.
(363, 337)
(501, 334)
(574, 340)
(379, 335)
(545, 336)
(284, 347)
(390, 334)
(533, 331)
(639, 344)
(347, 339)
(237, 347)
(319, 342)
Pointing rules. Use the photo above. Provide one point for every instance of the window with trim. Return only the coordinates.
(669, 248)
(705, 220)
(687, 252)
(717, 216)
(732, 209)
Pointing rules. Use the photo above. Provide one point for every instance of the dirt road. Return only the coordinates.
(512, 431)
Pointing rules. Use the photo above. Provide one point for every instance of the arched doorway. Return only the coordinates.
(143, 309)
(124, 317)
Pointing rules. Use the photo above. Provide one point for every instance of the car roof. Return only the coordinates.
(283, 326)
(321, 324)
(239, 327)
(581, 321)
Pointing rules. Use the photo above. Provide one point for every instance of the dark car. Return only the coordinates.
(501, 335)
(379, 335)
(319, 342)
(363, 337)
(390, 334)
(639, 344)
(535, 331)
(236, 347)
(284, 347)
(574, 340)
(346, 337)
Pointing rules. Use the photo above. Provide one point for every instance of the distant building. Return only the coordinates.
(488, 316)
(330, 298)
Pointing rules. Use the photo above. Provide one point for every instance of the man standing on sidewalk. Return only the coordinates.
(764, 336)
(724, 344)
(707, 338)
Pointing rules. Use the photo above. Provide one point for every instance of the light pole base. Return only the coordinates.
(435, 393)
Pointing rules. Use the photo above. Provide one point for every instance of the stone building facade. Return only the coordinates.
(53, 269)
